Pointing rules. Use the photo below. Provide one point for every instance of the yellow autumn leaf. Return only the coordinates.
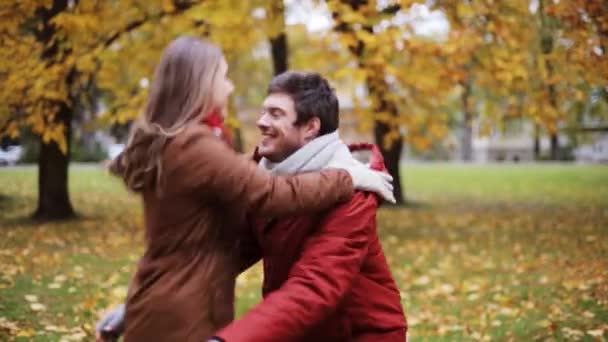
(31, 298)
(37, 307)
(596, 332)
(26, 333)
(119, 292)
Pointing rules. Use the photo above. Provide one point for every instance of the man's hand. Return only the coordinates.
(111, 326)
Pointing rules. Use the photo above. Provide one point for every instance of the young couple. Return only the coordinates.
(211, 213)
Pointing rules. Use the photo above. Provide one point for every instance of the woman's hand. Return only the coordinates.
(111, 326)
(363, 177)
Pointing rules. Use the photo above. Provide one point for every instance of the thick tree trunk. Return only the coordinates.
(555, 151)
(53, 197)
(278, 43)
(392, 158)
(278, 46)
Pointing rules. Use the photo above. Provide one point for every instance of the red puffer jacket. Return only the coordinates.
(325, 278)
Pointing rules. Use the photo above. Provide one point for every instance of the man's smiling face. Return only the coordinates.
(280, 136)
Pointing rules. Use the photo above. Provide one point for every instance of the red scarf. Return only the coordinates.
(216, 122)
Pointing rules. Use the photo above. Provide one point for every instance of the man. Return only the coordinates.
(325, 275)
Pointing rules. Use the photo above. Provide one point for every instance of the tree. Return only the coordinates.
(402, 75)
(54, 52)
(536, 60)
(574, 37)
(566, 65)
(488, 46)
(354, 27)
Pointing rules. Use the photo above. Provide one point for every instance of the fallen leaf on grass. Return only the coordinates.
(5, 324)
(26, 333)
(119, 292)
(54, 328)
(31, 298)
(596, 332)
(588, 314)
(60, 278)
(37, 307)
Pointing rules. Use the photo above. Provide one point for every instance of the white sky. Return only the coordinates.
(318, 19)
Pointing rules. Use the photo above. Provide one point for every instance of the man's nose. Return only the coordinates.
(263, 122)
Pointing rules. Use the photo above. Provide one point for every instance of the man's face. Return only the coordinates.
(280, 137)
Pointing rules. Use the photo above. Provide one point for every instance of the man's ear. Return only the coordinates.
(312, 128)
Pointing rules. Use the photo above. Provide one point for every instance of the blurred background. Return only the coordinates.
(492, 114)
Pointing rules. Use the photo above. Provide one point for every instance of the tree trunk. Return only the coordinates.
(278, 43)
(278, 46)
(547, 43)
(392, 155)
(536, 142)
(53, 197)
(467, 138)
(555, 152)
(392, 158)
(467, 125)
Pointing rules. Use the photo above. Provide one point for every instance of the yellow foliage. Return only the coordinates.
(114, 44)
(492, 47)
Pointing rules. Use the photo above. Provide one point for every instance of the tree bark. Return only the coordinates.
(278, 46)
(392, 158)
(547, 43)
(278, 43)
(377, 86)
(53, 197)
(467, 124)
(536, 142)
(555, 151)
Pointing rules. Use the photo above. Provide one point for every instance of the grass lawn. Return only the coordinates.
(516, 252)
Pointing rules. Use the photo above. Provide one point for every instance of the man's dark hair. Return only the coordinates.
(312, 96)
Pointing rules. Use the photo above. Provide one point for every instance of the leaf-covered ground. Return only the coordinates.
(486, 253)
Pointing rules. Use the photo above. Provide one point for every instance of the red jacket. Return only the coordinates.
(325, 279)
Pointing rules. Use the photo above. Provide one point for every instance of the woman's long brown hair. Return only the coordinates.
(182, 91)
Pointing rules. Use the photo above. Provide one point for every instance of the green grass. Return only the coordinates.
(511, 183)
(514, 252)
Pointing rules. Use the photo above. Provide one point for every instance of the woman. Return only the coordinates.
(195, 192)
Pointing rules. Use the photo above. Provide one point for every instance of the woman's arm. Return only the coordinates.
(208, 165)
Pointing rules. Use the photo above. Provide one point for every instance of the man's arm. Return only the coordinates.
(330, 261)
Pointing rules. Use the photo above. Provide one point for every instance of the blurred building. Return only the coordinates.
(594, 152)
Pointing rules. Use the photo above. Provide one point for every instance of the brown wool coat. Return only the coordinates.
(183, 289)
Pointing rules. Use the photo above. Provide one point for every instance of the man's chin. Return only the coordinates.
(265, 152)
(270, 156)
